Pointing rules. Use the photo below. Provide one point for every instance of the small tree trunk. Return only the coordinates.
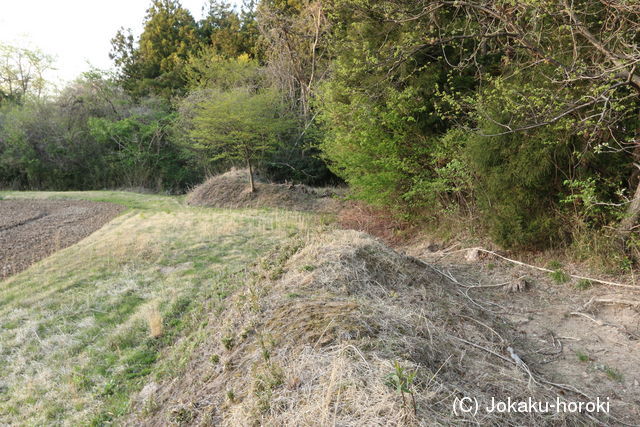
(633, 210)
(631, 216)
(252, 186)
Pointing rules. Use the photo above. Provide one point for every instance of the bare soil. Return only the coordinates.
(31, 230)
(586, 338)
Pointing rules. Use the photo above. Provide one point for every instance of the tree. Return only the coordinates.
(297, 50)
(229, 33)
(384, 133)
(556, 81)
(155, 64)
(22, 73)
(212, 71)
(238, 124)
(584, 57)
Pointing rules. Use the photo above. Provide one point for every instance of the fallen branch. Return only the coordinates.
(610, 301)
(596, 321)
(602, 323)
(514, 361)
(575, 276)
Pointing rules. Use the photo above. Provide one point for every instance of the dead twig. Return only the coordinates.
(599, 322)
(595, 300)
(575, 276)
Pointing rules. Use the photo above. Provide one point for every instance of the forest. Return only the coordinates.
(515, 120)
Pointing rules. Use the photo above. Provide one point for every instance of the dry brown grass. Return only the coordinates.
(154, 319)
(378, 222)
(231, 190)
(314, 339)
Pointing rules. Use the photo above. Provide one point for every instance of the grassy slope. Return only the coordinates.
(75, 328)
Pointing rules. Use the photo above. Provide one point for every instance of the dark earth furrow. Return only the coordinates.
(26, 221)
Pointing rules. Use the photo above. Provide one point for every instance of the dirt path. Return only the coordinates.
(31, 230)
(588, 338)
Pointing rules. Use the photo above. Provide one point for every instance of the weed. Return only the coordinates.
(626, 263)
(584, 284)
(559, 276)
(612, 373)
(402, 382)
(276, 273)
(182, 415)
(554, 265)
(264, 384)
(215, 359)
(231, 396)
(491, 266)
(583, 357)
(227, 342)
(308, 268)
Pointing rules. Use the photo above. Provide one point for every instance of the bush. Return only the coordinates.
(298, 159)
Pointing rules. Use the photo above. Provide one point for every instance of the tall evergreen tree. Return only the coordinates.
(155, 64)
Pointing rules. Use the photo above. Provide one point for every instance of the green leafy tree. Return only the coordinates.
(387, 133)
(230, 33)
(239, 125)
(22, 73)
(212, 71)
(155, 64)
(506, 105)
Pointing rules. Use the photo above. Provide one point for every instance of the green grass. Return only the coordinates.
(560, 276)
(126, 198)
(612, 373)
(75, 342)
(583, 357)
(554, 265)
(584, 284)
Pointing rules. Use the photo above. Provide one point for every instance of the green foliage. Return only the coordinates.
(209, 70)
(158, 62)
(227, 342)
(238, 125)
(22, 73)
(426, 114)
(614, 374)
(559, 276)
(154, 65)
(584, 284)
(518, 180)
(385, 134)
(143, 155)
(298, 158)
(555, 265)
(583, 357)
(402, 381)
(228, 33)
(92, 136)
